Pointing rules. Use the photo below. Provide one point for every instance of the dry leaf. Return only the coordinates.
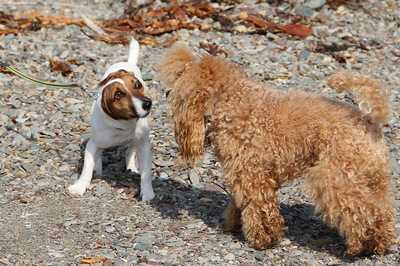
(299, 30)
(212, 49)
(93, 260)
(33, 21)
(73, 61)
(336, 3)
(59, 66)
(112, 38)
(148, 41)
(5, 71)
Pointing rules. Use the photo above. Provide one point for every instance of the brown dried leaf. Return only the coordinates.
(73, 61)
(5, 71)
(298, 30)
(113, 38)
(336, 3)
(59, 66)
(149, 41)
(93, 260)
(33, 21)
(260, 22)
(212, 49)
(226, 22)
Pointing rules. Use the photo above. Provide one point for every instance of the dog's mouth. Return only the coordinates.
(141, 106)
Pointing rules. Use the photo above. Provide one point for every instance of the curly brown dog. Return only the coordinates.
(264, 137)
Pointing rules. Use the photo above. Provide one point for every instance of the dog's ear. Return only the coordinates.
(174, 62)
(190, 128)
(133, 52)
(179, 70)
(114, 75)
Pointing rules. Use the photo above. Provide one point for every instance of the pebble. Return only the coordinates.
(101, 189)
(304, 11)
(144, 241)
(41, 130)
(315, 4)
(163, 176)
(229, 257)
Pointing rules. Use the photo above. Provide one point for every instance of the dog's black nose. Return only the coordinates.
(146, 104)
(167, 93)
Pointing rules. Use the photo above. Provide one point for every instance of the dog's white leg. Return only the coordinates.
(98, 163)
(87, 173)
(131, 158)
(145, 162)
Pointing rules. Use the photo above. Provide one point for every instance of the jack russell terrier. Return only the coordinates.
(119, 118)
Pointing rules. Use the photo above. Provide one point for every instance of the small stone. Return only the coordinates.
(147, 76)
(241, 28)
(303, 11)
(229, 257)
(304, 55)
(101, 189)
(164, 176)
(64, 54)
(315, 4)
(132, 260)
(235, 245)
(259, 255)
(56, 254)
(110, 228)
(144, 242)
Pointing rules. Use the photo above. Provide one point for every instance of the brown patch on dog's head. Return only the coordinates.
(118, 96)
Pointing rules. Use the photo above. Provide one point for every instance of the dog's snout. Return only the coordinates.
(146, 104)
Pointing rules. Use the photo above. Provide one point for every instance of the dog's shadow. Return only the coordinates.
(174, 199)
(304, 228)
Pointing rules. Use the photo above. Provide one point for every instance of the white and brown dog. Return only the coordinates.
(119, 118)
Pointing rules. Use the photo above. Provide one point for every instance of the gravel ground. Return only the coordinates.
(42, 131)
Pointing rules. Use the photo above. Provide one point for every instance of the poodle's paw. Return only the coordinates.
(232, 222)
(77, 189)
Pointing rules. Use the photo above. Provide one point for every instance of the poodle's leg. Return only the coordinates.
(261, 220)
(232, 215)
(356, 203)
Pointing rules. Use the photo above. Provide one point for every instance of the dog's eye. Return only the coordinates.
(138, 85)
(118, 95)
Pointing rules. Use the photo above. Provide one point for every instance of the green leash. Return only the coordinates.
(35, 80)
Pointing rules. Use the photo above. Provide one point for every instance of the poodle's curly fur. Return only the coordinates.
(264, 137)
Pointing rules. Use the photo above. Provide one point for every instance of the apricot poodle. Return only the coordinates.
(264, 137)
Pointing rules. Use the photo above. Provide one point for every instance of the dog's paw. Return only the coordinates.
(147, 195)
(77, 189)
(133, 169)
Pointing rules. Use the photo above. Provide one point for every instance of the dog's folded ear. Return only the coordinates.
(190, 128)
(179, 70)
(173, 63)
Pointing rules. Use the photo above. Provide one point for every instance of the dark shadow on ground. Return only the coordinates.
(303, 227)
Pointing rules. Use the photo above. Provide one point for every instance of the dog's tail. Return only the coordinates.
(373, 98)
(133, 52)
(174, 62)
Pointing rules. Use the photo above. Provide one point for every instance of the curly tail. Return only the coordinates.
(174, 62)
(372, 97)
